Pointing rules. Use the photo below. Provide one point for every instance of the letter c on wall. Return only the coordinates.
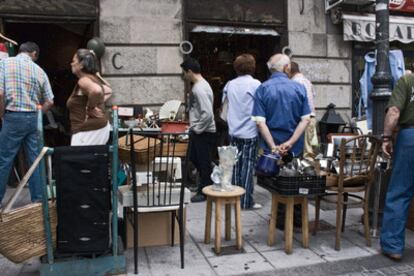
(114, 61)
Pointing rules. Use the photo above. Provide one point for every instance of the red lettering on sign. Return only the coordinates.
(402, 5)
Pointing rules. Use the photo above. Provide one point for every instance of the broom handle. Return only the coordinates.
(24, 180)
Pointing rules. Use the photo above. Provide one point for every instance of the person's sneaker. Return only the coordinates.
(257, 206)
(198, 198)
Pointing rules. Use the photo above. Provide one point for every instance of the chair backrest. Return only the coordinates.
(163, 172)
(357, 159)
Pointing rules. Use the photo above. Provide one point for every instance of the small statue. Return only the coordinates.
(222, 174)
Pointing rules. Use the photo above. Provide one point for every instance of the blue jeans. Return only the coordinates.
(399, 194)
(19, 128)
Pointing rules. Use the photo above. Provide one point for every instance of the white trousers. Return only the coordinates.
(92, 137)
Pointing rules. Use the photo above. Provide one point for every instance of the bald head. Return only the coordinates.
(279, 63)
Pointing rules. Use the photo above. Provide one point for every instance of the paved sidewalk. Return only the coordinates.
(355, 258)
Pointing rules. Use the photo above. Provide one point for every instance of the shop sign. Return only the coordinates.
(402, 5)
(362, 28)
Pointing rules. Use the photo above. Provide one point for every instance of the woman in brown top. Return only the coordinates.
(86, 104)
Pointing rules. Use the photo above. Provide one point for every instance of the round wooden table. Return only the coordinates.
(227, 199)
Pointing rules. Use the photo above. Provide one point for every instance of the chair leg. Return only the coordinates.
(181, 230)
(228, 222)
(272, 222)
(339, 206)
(345, 206)
(317, 213)
(239, 242)
(217, 241)
(173, 216)
(207, 230)
(305, 228)
(366, 221)
(289, 225)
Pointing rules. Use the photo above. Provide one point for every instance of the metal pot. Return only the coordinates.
(267, 164)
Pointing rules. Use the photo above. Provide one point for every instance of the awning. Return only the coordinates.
(233, 30)
(362, 28)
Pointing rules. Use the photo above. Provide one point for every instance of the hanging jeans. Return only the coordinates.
(19, 128)
(399, 194)
(244, 168)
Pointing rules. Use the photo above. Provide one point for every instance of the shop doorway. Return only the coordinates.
(58, 42)
(216, 53)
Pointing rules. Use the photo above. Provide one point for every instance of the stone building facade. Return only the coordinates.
(142, 40)
(142, 56)
(323, 55)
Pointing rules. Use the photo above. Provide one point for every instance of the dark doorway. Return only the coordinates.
(58, 42)
(216, 53)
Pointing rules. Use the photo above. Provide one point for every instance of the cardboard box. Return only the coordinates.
(154, 229)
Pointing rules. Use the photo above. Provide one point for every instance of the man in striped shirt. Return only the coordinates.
(23, 86)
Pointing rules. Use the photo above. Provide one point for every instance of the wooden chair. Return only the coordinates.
(357, 158)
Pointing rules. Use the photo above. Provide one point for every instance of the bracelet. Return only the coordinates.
(386, 137)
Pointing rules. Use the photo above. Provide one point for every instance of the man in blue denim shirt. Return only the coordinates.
(281, 109)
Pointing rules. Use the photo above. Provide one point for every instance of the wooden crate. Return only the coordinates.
(140, 147)
(179, 151)
(410, 220)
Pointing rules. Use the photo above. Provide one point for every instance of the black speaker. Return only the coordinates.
(83, 199)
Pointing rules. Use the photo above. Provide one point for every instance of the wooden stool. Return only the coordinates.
(220, 199)
(290, 202)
